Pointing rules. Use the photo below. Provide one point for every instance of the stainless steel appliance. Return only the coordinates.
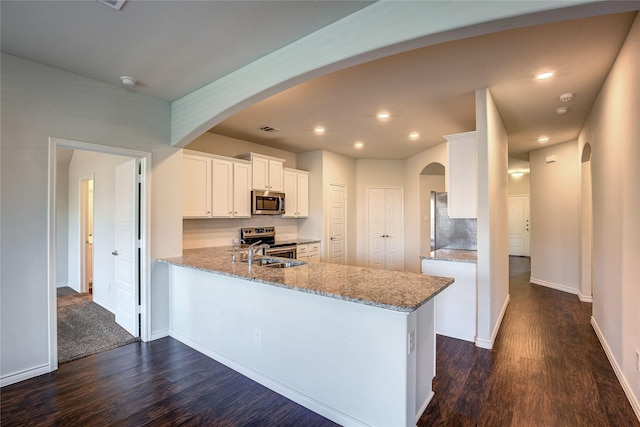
(267, 202)
(267, 235)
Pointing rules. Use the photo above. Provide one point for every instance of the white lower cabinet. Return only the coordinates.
(309, 252)
(296, 190)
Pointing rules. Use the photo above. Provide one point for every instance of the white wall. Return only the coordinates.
(221, 145)
(372, 173)
(613, 130)
(102, 167)
(555, 217)
(413, 167)
(39, 102)
(493, 233)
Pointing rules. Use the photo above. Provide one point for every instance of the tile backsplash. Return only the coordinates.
(451, 233)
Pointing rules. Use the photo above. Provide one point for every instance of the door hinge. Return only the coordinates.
(138, 244)
(138, 309)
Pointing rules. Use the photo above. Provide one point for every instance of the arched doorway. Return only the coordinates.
(432, 178)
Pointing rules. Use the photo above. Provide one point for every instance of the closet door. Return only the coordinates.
(385, 231)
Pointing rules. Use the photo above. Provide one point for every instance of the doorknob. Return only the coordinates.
(332, 238)
(115, 253)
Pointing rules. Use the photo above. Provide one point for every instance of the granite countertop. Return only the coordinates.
(456, 255)
(392, 290)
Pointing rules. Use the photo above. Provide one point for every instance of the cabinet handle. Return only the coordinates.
(115, 253)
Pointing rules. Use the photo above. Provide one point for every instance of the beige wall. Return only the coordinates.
(555, 217)
(519, 186)
(613, 130)
(493, 243)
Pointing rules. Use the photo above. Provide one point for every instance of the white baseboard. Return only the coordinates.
(555, 286)
(635, 404)
(155, 335)
(289, 393)
(424, 406)
(24, 375)
(62, 285)
(488, 344)
(585, 298)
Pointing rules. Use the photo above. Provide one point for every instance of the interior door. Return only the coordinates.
(376, 214)
(125, 253)
(337, 224)
(385, 228)
(519, 225)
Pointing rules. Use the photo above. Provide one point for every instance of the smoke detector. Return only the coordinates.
(566, 97)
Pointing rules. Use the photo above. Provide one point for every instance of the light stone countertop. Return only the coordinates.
(455, 255)
(392, 290)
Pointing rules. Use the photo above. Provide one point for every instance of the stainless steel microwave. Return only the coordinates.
(267, 203)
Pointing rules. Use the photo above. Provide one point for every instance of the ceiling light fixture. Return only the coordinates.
(128, 82)
(414, 135)
(383, 115)
(545, 75)
(358, 144)
(561, 111)
(543, 139)
(517, 174)
(319, 130)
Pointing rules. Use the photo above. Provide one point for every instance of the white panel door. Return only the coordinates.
(125, 254)
(519, 225)
(385, 228)
(337, 224)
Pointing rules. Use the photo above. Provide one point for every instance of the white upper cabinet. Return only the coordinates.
(462, 175)
(296, 190)
(267, 172)
(215, 187)
(196, 186)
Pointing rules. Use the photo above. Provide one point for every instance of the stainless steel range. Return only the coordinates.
(267, 235)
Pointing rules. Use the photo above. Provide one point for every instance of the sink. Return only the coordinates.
(275, 262)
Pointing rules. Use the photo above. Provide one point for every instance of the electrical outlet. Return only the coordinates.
(257, 335)
(637, 360)
(412, 340)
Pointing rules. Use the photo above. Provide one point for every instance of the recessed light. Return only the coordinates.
(319, 130)
(383, 115)
(414, 135)
(517, 174)
(128, 81)
(358, 144)
(543, 138)
(545, 75)
(561, 110)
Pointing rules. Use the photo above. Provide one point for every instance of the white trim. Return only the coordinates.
(489, 344)
(425, 404)
(585, 298)
(62, 284)
(633, 400)
(289, 393)
(159, 334)
(555, 286)
(24, 375)
(145, 216)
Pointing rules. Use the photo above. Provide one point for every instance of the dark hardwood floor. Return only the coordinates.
(547, 369)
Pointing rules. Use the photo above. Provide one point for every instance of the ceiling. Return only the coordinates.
(176, 47)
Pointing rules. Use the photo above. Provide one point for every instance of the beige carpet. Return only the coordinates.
(85, 328)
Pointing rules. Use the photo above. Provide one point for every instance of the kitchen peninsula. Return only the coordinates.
(353, 344)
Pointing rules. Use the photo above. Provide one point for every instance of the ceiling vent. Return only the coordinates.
(116, 4)
(269, 129)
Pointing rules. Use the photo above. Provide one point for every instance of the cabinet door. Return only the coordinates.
(303, 195)
(260, 173)
(196, 187)
(275, 176)
(290, 194)
(222, 197)
(241, 190)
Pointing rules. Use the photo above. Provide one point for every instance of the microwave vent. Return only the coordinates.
(269, 129)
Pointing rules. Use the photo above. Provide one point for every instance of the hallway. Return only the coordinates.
(547, 368)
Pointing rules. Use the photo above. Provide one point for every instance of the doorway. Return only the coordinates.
(519, 225)
(586, 225)
(104, 242)
(86, 234)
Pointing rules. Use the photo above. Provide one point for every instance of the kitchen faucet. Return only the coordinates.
(252, 249)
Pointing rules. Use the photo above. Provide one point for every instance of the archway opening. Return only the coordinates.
(432, 178)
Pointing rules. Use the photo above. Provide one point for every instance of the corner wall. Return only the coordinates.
(613, 130)
(493, 237)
